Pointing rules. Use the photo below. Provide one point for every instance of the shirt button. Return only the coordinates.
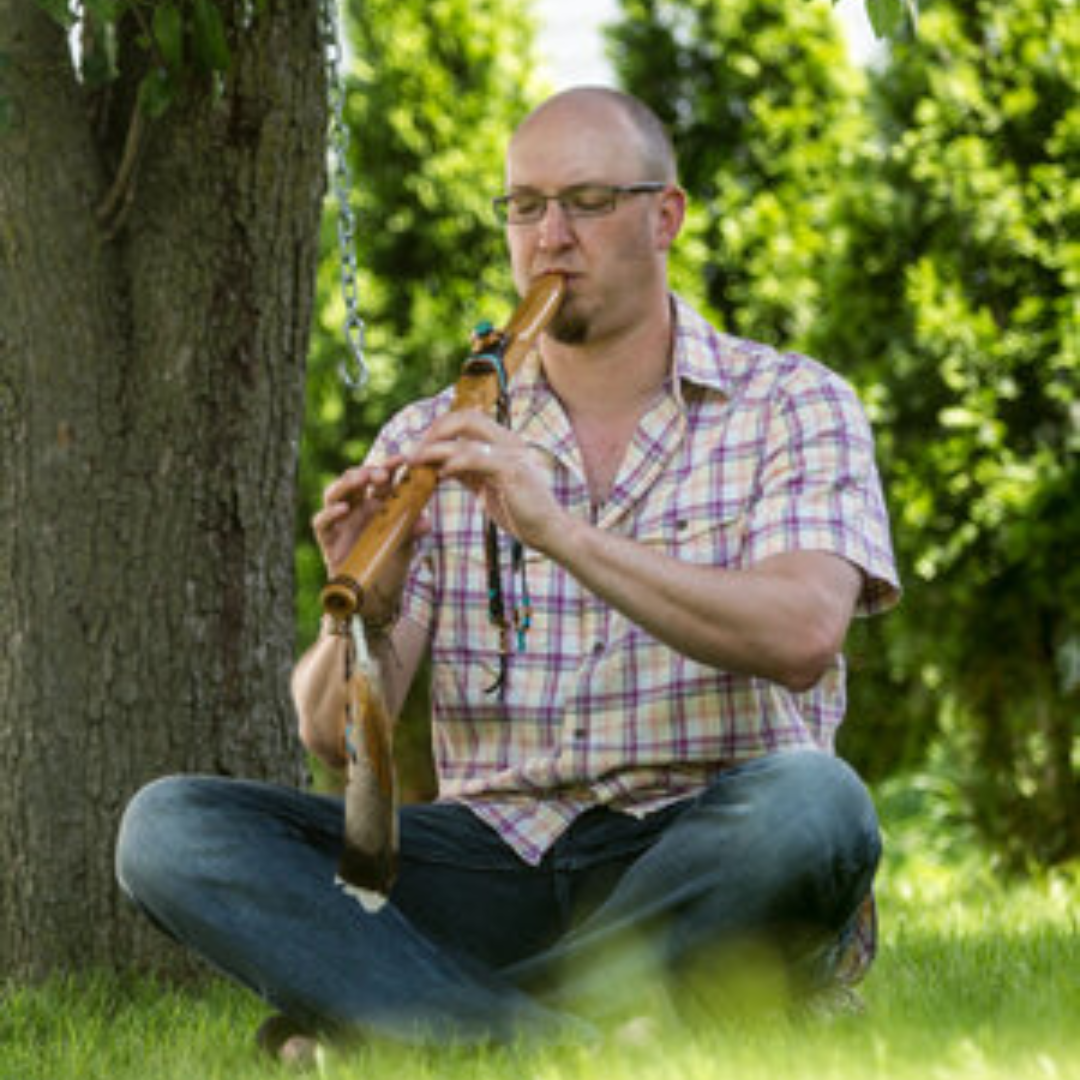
(598, 648)
(580, 733)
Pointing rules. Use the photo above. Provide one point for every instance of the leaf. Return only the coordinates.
(106, 11)
(157, 91)
(211, 44)
(886, 16)
(169, 35)
(60, 11)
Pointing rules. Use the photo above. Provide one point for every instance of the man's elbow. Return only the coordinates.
(816, 653)
(319, 743)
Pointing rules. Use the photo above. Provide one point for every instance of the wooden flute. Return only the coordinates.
(477, 387)
(368, 864)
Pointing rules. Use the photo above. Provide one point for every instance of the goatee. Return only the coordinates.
(569, 327)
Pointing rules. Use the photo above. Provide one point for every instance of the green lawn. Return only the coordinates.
(978, 977)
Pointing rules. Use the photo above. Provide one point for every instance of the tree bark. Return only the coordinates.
(151, 393)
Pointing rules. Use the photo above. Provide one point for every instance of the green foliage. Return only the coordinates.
(208, 36)
(955, 296)
(890, 17)
(178, 44)
(921, 240)
(434, 92)
(762, 104)
(768, 116)
(60, 11)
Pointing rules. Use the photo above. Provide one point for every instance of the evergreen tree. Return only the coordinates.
(762, 104)
(955, 293)
(768, 117)
(925, 247)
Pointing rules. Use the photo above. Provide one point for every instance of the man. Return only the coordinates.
(652, 794)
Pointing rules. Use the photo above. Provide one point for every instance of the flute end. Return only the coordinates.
(341, 597)
(372, 902)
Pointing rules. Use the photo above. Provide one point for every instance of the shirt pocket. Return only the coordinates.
(694, 527)
(704, 527)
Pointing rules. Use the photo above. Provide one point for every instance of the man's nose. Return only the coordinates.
(555, 230)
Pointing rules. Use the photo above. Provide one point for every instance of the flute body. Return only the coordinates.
(368, 864)
(390, 528)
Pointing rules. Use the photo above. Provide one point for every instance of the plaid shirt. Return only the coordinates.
(745, 453)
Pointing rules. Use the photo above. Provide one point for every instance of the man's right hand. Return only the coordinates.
(349, 504)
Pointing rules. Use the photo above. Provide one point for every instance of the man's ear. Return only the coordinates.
(671, 217)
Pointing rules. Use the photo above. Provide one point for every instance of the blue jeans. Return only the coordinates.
(476, 945)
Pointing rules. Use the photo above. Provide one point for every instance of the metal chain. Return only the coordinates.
(354, 375)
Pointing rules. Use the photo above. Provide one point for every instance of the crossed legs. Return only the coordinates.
(475, 945)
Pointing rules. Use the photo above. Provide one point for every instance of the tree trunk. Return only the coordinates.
(151, 393)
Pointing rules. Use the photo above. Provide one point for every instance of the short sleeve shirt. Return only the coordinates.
(745, 453)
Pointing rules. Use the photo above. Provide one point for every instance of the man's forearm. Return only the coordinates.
(319, 686)
(783, 620)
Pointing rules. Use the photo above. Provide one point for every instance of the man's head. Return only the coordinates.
(592, 192)
(638, 126)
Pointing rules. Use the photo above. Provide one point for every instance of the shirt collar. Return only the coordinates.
(702, 356)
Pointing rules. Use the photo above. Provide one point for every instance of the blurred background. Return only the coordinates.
(907, 212)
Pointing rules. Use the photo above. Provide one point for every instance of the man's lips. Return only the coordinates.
(568, 271)
(570, 276)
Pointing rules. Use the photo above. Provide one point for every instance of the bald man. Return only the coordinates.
(649, 807)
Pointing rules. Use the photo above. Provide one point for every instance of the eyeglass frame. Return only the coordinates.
(501, 203)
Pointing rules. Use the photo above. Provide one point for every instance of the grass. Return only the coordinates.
(978, 977)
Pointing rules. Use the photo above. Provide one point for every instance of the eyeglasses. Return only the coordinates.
(582, 201)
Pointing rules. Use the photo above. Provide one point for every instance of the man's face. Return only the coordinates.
(614, 263)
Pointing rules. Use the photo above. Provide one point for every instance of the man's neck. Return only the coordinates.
(614, 378)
